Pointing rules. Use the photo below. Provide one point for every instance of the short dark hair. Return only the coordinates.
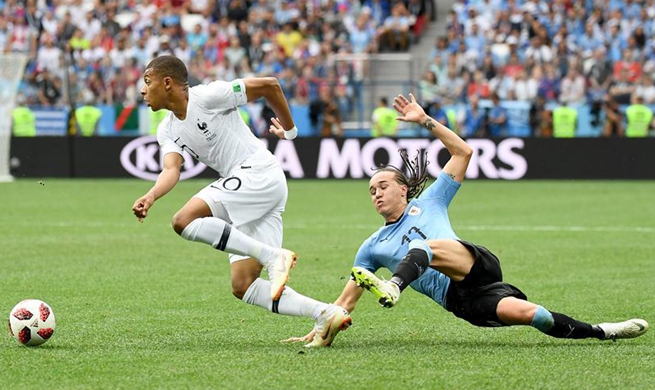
(417, 172)
(170, 66)
(384, 100)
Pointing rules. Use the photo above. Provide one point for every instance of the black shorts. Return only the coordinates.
(476, 297)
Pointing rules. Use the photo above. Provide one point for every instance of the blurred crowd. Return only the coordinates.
(558, 52)
(105, 44)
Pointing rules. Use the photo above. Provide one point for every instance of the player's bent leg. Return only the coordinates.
(514, 311)
(195, 208)
(386, 292)
(242, 274)
(221, 235)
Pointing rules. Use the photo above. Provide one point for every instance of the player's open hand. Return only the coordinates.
(276, 128)
(141, 206)
(409, 110)
(306, 338)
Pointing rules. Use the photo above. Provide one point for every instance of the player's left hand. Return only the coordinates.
(306, 338)
(276, 128)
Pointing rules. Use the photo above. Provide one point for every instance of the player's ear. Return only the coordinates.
(168, 83)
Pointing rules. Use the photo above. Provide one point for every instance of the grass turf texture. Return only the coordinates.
(139, 307)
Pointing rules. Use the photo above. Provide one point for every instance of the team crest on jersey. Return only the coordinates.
(414, 211)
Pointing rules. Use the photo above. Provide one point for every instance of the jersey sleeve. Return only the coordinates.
(165, 140)
(364, 259)
(222, 95)
(443, 190)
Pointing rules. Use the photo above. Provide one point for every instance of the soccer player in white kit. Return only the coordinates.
(241, 213)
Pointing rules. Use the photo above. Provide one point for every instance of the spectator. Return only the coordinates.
(541, 119)
(646, 90)
(362, 37)
(599, 74)
(380, 10)
(235, 53)
(437, 113)
(418, 17)
(49, 56)
(622, 88)
(565, 121)
(613, 122)
(237, 11)
(496, 118)
(502, 85)
(324, 114)
(639, 118)
(471, 122)
(549, 86)
(288, 38)
(383, 120)
(452, 89)
(49, 23)
(396, 28)
(525, 89)
(573, 88)
(538, 52)
(630, 63)
(50, 88)
(428, 89)
(285, 13)
(110, 24)
(197, 38)
(590, 40)
(477, 85)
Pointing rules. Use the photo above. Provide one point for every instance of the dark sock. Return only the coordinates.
(411, 267)
(567, 328)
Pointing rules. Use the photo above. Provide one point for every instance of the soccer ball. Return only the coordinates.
(32, 322)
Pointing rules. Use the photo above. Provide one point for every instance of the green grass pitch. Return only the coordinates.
(138, 307)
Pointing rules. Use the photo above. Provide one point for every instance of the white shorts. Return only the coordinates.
(254, 199)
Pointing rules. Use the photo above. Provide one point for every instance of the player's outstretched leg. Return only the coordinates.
(386, 292)
(329, 323)
(278, 267)
(624, 330)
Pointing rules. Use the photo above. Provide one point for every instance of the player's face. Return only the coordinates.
(387, 195)
(153, 90)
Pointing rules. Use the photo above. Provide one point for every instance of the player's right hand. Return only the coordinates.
(141, 206)
(306, 338)
(409, 110)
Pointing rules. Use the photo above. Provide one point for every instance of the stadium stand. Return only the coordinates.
(535, 55)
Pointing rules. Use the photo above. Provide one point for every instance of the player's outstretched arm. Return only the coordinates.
(348, 299)
(460, 151)
(269, 88)
(167, 179)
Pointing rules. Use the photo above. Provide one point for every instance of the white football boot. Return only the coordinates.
(278, 271)
(624, 330)
(329, 323)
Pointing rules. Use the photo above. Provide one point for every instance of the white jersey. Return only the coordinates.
(214, 132)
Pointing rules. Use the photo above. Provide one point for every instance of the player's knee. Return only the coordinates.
(239, 288)
(439, 250)
(180, 221)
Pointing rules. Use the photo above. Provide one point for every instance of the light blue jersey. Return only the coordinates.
(425, 217)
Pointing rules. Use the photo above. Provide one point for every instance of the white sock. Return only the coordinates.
(222, 236)
(290, 303)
